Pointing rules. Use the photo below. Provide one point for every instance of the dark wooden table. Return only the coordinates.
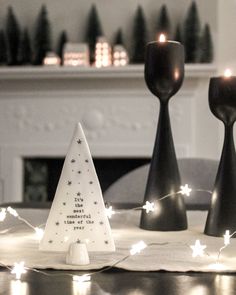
(122, 283)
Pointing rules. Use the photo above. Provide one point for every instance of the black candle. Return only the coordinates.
(222, 212)
(164, 73)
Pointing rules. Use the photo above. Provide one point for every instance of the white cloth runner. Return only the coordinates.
(19, 244)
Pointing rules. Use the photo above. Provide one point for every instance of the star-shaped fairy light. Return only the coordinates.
(109, 211)
(137, 248)
(39, 232)
(227, 237)
(3, 214)
(12, 211)
(198, 249)
(149, 207)
(185, 190)
(19, 269)
(82, 279)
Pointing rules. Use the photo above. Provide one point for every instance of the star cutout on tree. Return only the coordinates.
(106, 242)
(79, 141)
(69, 182)
(64, 203)
(95, 203)
(57, 223)
(101, 223)
(90, 182)
(198, 249)
(78, 194)
(79, 172)
(50, 241)
(86, 161)
(73, 161)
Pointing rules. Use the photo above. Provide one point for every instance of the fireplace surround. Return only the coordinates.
(39, 108)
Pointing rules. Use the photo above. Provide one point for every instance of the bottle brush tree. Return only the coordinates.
(178, 34)
(25, 49)
(163, 23)
(139, 36)
(3, 48)
(118, 40)
(192, 34)
(12, 37)
(206, 46)
(93, 31)
(60, 45)
(42, 37)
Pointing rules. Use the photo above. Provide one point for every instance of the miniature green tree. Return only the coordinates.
(42, 37)
(163, 23)
(178, 34)
(3, 50)
(119, 37)
(94, 30)
(192, 34)
(12, 37)
(25, 50)
(206, 46)
(139, 36)
(61, 42)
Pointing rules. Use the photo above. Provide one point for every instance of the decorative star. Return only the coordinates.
(64, 203)
(90, 182)
(95, 203)
(3, 214)
(101, 223)
(79, 141)
(137, 248)
(19, 269)
(86, 161)
(106, 242)
(50, 241)
(185, 190)
(79, 172)
(198, 249)
(149, 207)
(69, 182)
(57, 223)
(78, 194)
(73, 161)
(227, 237)
(109, 211)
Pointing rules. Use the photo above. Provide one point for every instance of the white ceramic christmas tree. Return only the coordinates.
(78, 211)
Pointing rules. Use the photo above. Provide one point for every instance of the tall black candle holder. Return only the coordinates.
(164, 74)
(222, 212)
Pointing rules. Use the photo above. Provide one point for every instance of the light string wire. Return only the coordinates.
(198, 249)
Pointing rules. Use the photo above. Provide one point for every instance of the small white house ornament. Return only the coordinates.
(78, 210)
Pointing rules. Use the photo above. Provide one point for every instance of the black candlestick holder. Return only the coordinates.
(222, 212)
(164, 74)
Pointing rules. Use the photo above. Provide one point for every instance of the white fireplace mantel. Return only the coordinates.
(39, 107)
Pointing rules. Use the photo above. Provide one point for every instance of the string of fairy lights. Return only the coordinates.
(198, 249)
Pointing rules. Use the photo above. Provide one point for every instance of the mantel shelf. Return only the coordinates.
(130, 71)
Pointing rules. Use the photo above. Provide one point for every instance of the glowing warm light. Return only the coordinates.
(185, 190)
(227, 237)
(149, 207)
(12, 211)
(216, 266)
(176, 74)
(137, 248)
(109, 211)
(162, 38)
(228, 73)
(82, 279)
(3, 214)
(198, 249)
(19, 288)
(39, 232)
(19, 269)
